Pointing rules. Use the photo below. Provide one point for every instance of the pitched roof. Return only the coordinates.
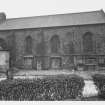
(82, 18)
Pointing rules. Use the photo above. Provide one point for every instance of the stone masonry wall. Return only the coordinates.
(66, 34)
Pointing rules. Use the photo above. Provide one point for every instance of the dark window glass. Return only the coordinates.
(3, 45)
(55, 44)
(87, 42)
(29, 45)
(69, 48)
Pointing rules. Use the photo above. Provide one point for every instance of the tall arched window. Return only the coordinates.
(55, 44)
(87, 42)
(3, 44)
(69, 48)
(28, 47)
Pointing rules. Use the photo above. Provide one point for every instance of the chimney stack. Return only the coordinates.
(2, 17)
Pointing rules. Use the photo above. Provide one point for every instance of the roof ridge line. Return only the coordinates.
(54, 14)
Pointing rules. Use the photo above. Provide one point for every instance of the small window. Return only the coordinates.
(55, 62)
(90, 60)
(101, 60)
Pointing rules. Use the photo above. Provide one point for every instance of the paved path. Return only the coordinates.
(33, 73)
(90, 89)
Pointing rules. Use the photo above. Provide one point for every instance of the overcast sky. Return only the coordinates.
(24, 8)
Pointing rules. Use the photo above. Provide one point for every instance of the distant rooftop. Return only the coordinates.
(82, 18)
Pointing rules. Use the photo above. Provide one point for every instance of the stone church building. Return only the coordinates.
(55, 42)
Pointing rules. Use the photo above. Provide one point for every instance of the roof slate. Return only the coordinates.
(82, 18)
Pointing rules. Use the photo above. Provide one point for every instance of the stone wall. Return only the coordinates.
(71, 42)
